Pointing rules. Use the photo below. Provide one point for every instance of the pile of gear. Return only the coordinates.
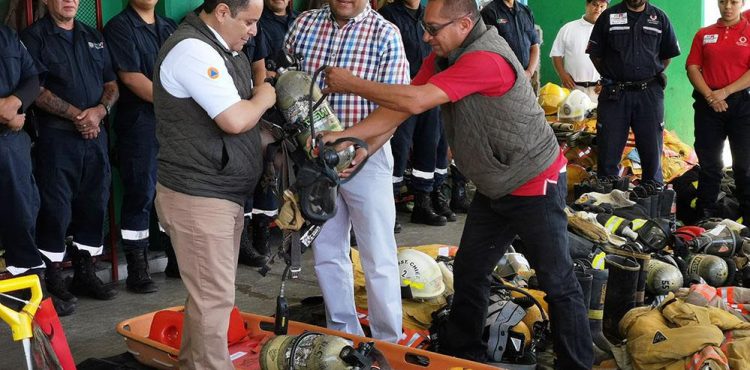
(632, 254)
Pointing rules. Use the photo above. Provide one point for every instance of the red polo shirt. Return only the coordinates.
(722, 52)
(488, 74)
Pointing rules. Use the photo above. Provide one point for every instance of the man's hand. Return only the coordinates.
(17, 122)
(9, 107)
(567, 81)
(339, 80)
(87, 123)
(266, 93)
(719, 106)
(528, 74)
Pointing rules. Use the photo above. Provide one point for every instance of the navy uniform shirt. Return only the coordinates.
(133, 45)
(275, 28)
(407, 22)
(16, 63)
(515, 25)
(632, 45)
(74, 65)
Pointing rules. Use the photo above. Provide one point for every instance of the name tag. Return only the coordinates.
(710, 39)
(620, 18)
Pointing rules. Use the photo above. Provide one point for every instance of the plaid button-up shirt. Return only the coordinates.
(368, 45)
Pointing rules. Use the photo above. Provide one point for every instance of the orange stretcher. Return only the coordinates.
(160, 356)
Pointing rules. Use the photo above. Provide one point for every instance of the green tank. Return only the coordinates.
(293, 100)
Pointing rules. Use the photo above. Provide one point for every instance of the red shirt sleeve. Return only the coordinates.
(479, 72)
(696, 50)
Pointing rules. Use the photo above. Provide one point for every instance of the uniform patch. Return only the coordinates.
(653, 19)
(658, 338)
(96, 45)
(213, 73)
(618, 18)
(502, 20)
(742, 41)
(710, 39)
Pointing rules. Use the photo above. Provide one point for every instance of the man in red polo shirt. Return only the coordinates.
(719, 69)
(502, 142)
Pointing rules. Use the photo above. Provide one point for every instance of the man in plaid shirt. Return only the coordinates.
(350, 34)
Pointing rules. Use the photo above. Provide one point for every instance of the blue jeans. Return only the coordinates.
(491, 226)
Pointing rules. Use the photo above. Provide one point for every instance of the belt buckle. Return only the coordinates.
(644, 85)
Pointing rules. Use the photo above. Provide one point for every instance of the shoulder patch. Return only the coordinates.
(213, 73)
(658, 338)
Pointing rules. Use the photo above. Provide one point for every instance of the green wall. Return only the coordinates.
(686, 17)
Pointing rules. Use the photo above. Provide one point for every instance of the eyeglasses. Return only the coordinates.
(433, 30)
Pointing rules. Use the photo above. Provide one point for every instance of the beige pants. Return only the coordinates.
(205, 233)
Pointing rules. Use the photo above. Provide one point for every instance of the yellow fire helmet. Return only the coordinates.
(551, 96)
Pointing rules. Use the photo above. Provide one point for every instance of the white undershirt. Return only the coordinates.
(570, 43)
(193, 69)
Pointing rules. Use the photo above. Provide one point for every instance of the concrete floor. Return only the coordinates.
(91, 330)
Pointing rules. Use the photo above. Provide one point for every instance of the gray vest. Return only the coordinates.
(195, 156)
(500, 143)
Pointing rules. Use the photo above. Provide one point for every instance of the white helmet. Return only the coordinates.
(576, 107)
(420, 275)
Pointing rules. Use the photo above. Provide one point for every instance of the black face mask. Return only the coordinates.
(317, 189)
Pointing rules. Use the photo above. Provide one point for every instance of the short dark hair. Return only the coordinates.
(459, 8)
(235, 6)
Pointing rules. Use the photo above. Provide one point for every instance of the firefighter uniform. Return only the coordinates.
(421, 135)
(18, 193)
(632, 47)
(515, 25)
(72, 173)
(723, 55)
(275, 28)
(133, 45)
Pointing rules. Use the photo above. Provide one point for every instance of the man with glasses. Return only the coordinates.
(502, 142)
(350, 34)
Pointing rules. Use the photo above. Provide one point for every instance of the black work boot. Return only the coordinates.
(54, 283)
(423, 212)
(173, 268)
(250, 255)
(596, 309)
(139, 281)
(441, 206)
(621, 292)
(85, 281)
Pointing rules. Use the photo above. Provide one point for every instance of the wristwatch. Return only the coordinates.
(106, 107)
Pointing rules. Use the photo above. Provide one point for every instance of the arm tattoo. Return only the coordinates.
(51, 103)
(111, 93)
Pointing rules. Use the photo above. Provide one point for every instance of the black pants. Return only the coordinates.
(137, 149)
(491, 226)
(711, 130)
(74, 176)
(643, 111)
(19, 203)
(422, 136)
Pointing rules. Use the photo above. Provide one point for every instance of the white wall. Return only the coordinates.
(711, 11)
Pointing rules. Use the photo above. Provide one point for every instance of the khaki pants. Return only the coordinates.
(205, 233)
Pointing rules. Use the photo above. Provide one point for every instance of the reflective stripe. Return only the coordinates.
(652, 29)
(249, 214)
(272, 213)
(93, 251)
(134, 234)
(596, 314)
(52, 256)
(619, 28)
(708, 292)
(441, 171)
(598, 261)
(397, 180)
(638, 223)
(423, 175)
(613, 223)
(15, 271)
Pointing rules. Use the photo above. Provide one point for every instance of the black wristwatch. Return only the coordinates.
(106, 107)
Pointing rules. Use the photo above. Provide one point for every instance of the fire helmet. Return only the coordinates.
(551, 96)
(421, 277)
(575, 108)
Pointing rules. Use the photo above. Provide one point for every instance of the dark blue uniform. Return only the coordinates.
(421, 135)
(133, 45)
(73, 174)
(515, 25)
(275, 28)
(18, 193)
(632, 47)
